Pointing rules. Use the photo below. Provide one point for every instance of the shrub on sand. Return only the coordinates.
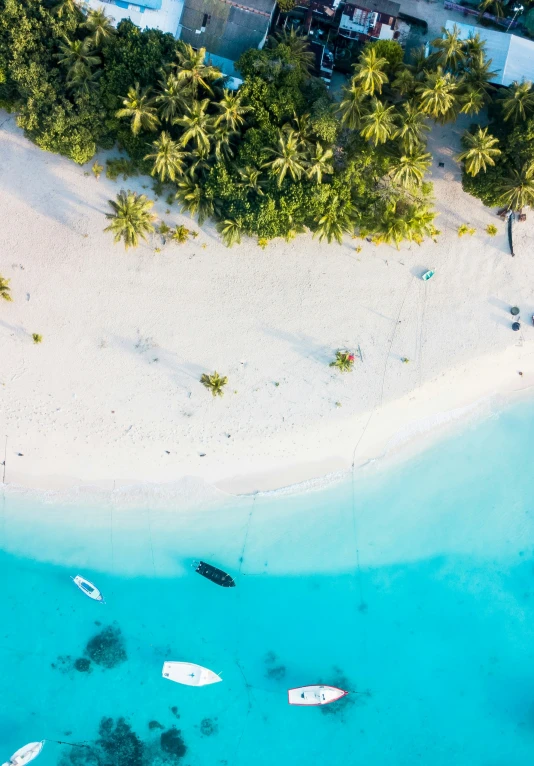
(37, 338)
(215, 383)
(5, 289)
(344, 361)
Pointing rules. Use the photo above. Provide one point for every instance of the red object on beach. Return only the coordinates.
(351, 357)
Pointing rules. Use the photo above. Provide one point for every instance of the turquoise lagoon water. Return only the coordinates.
(413, 587)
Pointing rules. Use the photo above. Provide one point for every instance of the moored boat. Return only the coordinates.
(189, 674)
(214, 574)
(25, 754)
(88, 588)
(314, 695)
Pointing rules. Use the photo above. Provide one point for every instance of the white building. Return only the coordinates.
(154, 14)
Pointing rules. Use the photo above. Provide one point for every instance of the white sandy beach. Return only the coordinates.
(112, 395)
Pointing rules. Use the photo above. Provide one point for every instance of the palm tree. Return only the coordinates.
(299, 48)
(65, 8)
(420, 62)
(174, 95)
(196, 124)
(100, 27)
(230, 230)
(517, 191)
(379, 123)
(412, 126)
(168, 159)
(84, 80)
(369, 72)
(319, 163)
(287, 157)
(214, 382)
(491, 6)
(251, 179)
(77, 55)
(232, 110)
(472, 101)
(138, 105)
(338, 219)
(474, 46)
(477, 74)
(450, 49)
(192, 70)
(302, 127)
(221, 136)
(404, 82)
(480, 151)
(409, 169)
(518, 101)
(352, 106)
(131, 218)
(194, 199)
(198, 163)
(5, 289)
(438, 94)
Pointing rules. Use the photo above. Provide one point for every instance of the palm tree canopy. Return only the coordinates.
(298, 46)
(438, 94)
(83, 80)
(352, 106)
(138, 105)
(518, 101)
(369, 72)
(409, 169)
(338, 219)
(100, 26)
(319, 163)
(480, 151)
(450, 49)
(288, 157)
(168, 159)
(518, 189)
(192, 69)
(196, 124)
(378, 124)
(412, 126)
(77, 54)
(232, 110)
(173, 96)
(131, 218)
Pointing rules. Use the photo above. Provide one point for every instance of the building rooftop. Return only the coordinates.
(155, 14)
(512, 57)
(387, 7)
(226, 28)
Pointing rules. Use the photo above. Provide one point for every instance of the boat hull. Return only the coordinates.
(189, 674)
(25, 754)
(314, 695)
(214, 574)
(87, 587)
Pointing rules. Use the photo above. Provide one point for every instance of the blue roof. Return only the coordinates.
(154, 5)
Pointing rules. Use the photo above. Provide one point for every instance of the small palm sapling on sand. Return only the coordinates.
(344, 361)
(466, 229)
(5, 289)
(215, 383)
(37, 338)
(491, 229)
(97, 170)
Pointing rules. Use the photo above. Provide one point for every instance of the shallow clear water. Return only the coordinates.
(413, 588)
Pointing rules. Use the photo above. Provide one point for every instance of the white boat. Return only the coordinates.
(88, 588)
(314, 695)
(25, 754)
(189, 674)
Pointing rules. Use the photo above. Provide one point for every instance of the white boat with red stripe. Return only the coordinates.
(314, 695)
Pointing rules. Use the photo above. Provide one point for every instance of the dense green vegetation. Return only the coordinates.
(271, 160)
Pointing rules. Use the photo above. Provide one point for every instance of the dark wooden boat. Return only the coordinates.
(214, 574)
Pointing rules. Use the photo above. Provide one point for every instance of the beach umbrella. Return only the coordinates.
(516, 326)
(514, 311)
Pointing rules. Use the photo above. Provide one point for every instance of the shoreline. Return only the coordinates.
(111, 404)
(393, 433)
